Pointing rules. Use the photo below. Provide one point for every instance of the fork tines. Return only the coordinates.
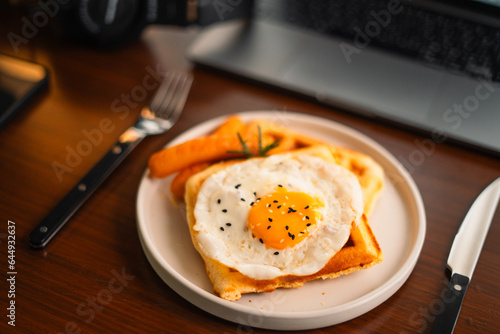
(171, 96)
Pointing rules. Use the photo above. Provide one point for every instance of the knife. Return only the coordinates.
(464, 254)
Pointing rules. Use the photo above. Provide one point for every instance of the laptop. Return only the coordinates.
(432, 66)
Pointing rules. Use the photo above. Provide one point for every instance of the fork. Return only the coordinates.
(156, 118)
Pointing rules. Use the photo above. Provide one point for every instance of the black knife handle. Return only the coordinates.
(63, 211)
(452, 302)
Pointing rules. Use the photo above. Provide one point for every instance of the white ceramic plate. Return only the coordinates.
(398, 222)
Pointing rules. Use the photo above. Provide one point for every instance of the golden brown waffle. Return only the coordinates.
(360, 252)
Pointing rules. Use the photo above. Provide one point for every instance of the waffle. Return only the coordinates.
(360, 252)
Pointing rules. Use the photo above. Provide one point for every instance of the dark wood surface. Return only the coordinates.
(101, 239)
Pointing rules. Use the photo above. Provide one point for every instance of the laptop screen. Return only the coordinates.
(485, 12)
(481, 11)
(495, 3)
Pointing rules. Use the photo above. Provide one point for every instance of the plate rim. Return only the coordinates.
(274, 319)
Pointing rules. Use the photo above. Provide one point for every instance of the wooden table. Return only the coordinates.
(58, 289)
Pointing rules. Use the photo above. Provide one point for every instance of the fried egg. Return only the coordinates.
(279, 215)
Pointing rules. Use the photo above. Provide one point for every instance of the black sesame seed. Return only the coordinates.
(218, 201)
(237, 186)
(307, 217)
(279, 206)
(286, 227)
(291, 210)
(254, 193)
(290, 234)
(269, 227)
(309, 224)
(258, 199)
(228, 224)
(222, 228)
(279, 185)
(275, 201)
(252, 203)
(307, 207)
(261, 241)
(270, 220)
(224, 210)
(242, 199)
(276, 253)
(293, 236)
(269, 205)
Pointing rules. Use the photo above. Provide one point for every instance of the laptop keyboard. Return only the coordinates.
(435, 39)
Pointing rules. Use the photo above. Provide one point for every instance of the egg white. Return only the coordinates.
(233, 188)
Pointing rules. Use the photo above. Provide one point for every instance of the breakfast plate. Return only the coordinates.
(397, 220)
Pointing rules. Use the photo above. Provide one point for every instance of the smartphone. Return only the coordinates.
(20, 80)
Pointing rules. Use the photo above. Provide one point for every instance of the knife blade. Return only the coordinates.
(464, 254)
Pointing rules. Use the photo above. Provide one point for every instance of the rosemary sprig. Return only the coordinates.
(262, 151)
(246, 151)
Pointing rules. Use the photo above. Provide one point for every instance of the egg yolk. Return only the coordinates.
(282, 219)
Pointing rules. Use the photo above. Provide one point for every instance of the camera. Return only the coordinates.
(114, 22)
